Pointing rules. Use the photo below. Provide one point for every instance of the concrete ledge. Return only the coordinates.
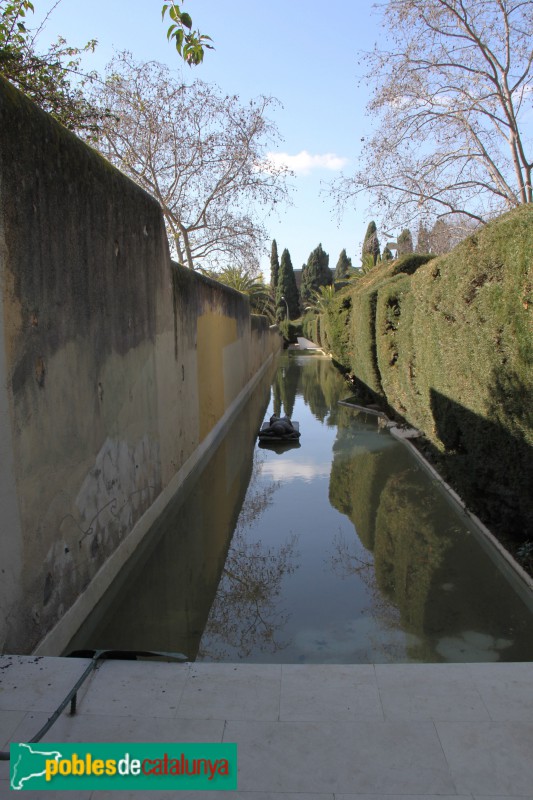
(492, 546)
(522, 582)
(56, 640)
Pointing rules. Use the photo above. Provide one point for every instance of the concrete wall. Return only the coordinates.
(117, 372)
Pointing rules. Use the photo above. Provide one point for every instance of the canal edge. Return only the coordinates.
(523, 581)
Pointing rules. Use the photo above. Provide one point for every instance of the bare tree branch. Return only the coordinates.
(200, 153)
(452, 100)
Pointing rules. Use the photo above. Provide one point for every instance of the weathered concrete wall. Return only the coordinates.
(172, 596)
(117, 371)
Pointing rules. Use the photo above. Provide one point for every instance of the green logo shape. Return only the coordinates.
(107, 765)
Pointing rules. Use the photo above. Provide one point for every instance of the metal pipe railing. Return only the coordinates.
(72, 696)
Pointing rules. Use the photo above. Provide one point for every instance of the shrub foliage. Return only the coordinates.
(448, 343)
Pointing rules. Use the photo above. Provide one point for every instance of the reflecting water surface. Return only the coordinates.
(340, 549)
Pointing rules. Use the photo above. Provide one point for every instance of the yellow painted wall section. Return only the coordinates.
(117, 373)
(214, 333)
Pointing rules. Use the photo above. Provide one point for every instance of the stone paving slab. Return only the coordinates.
(327, 732)
(491, 758)
(430, 692)
(506, 690)
(36, 683)
(309, 694)
(372, 757)
(306, 344)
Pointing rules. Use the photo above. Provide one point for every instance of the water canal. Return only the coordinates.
(340, 550)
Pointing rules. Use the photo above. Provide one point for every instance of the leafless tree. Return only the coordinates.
(448, 231)
(247, 614)
(453, 96)
(199, 152)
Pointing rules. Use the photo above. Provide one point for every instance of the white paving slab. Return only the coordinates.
(429, 691)
(399, 797)
(172, 795)
(365, 757)
(129, 688)
(489, 758)
(99, 728)
(232, 691)
(9, 722)
(506, 690)
(36, 683)
(7, 794)
(309, 693)
(327, 732)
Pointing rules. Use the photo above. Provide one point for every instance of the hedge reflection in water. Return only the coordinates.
(339, 550)
(406, 581)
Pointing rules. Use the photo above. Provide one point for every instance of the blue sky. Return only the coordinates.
(303, 52)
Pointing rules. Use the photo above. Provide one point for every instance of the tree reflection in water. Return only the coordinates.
(346, 562)
(246, 613)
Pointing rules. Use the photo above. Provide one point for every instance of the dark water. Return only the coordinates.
(340, 550)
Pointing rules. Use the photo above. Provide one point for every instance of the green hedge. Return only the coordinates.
(290, 330)
(473, 343)
(335, 327)
(448, 343)
(393, 336)
(310, 326)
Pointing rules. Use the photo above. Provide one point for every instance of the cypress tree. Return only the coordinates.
(371, 244)
(422, 239)
(344, 265)
(315, 274)
(405, 243)
(286, 288)
(387, 254)
(274, 266)
(441, 237)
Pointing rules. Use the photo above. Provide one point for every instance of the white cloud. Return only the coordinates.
(288, 470)
(303, 163)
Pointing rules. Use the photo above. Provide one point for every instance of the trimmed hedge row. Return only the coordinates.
(448, 344)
